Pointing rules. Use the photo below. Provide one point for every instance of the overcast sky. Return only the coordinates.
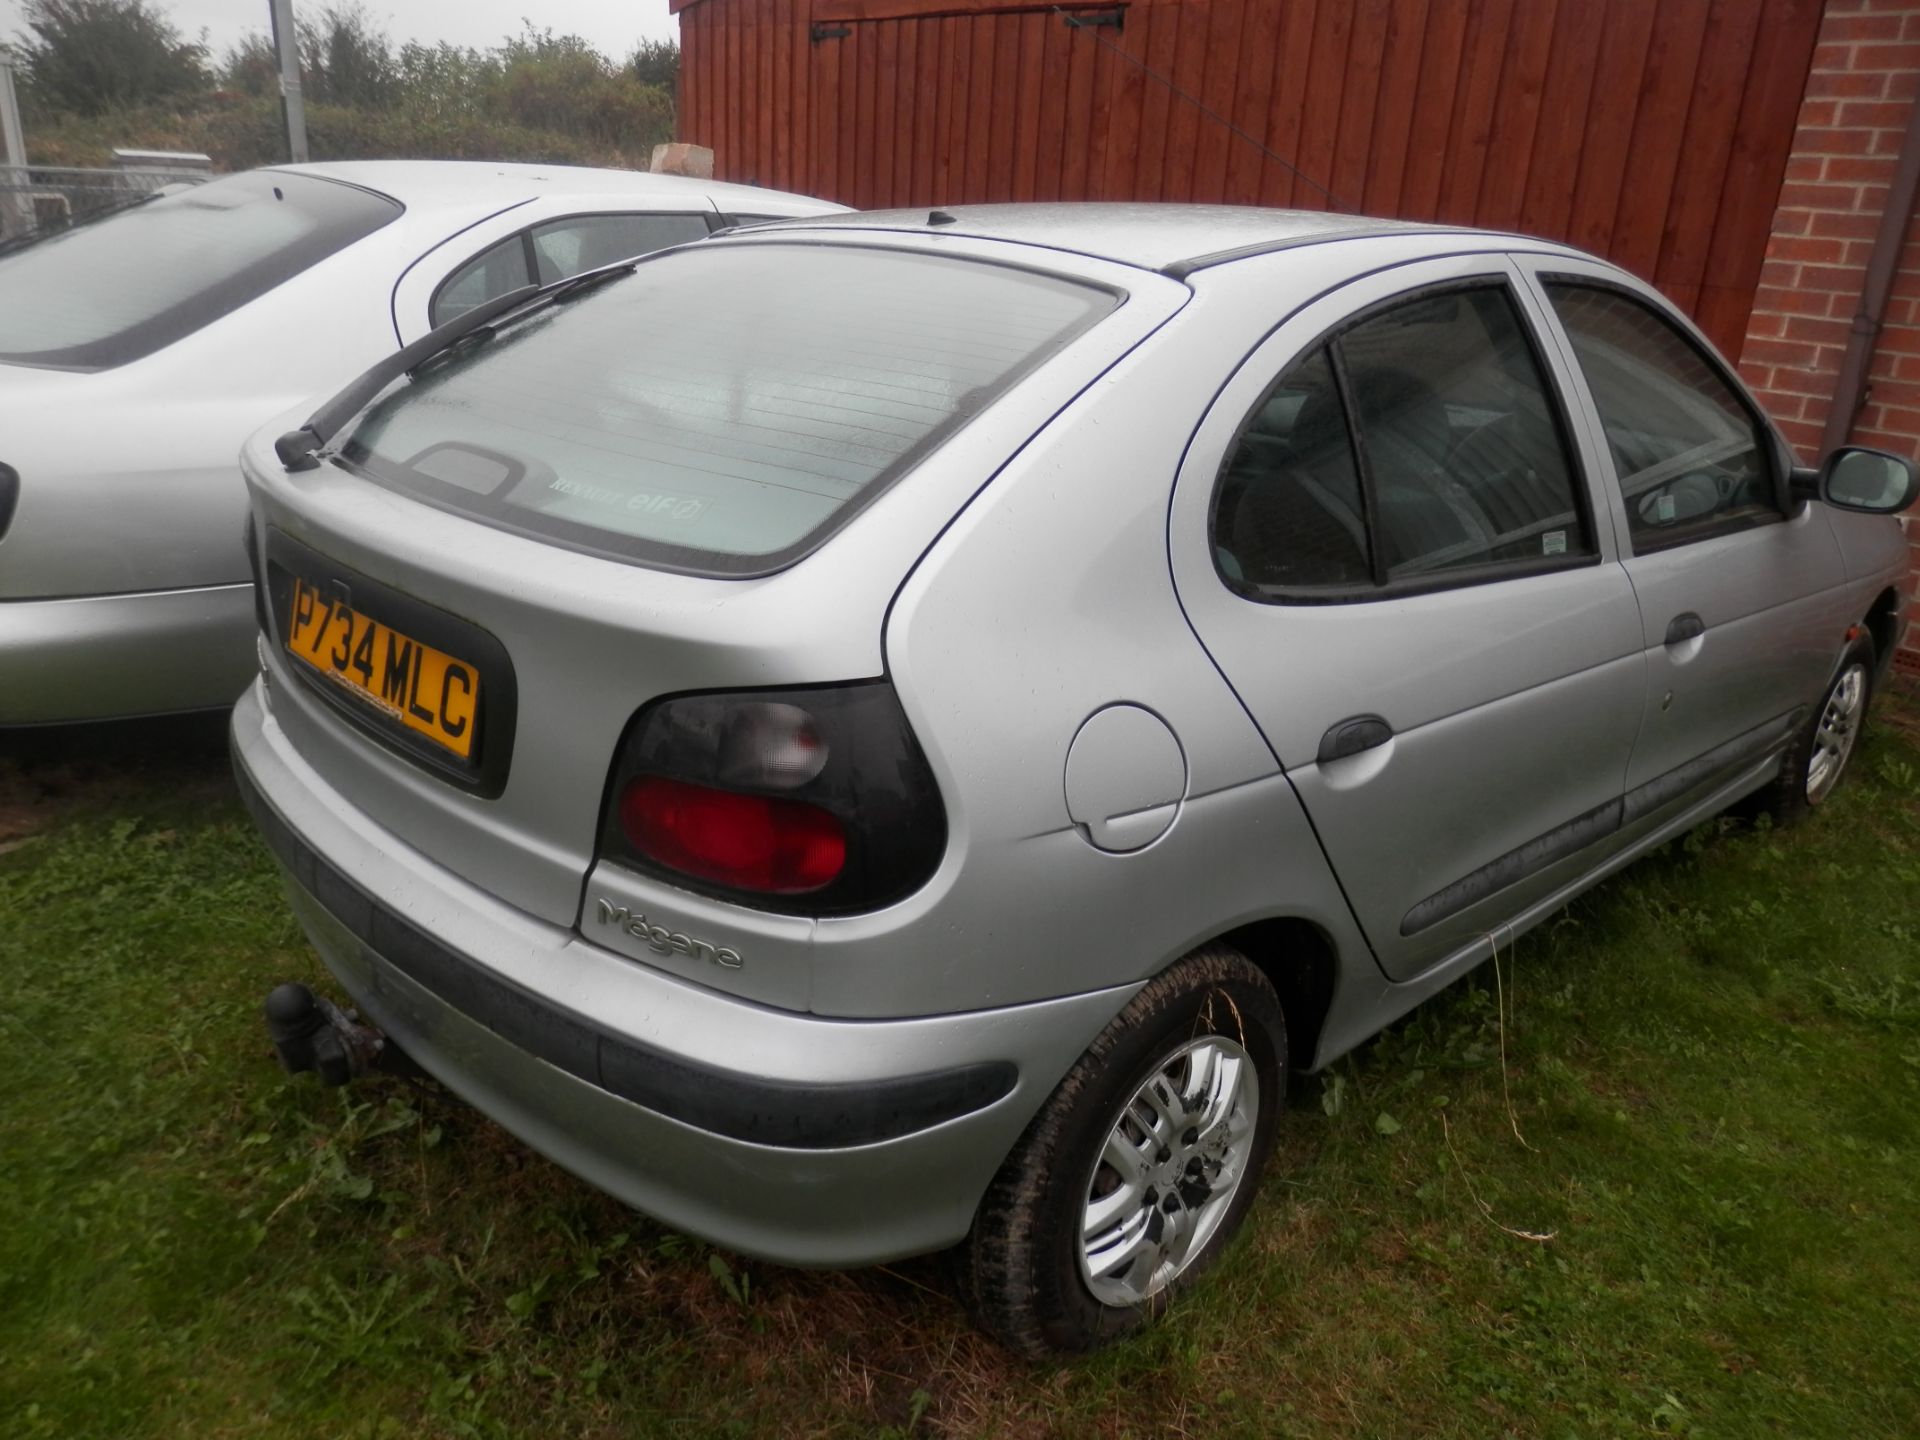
(615, 26)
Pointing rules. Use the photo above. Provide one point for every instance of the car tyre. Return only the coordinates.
(1182, 1091)
(1818, 757)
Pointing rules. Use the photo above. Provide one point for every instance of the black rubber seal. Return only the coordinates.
(9, 496)
(789, 1114)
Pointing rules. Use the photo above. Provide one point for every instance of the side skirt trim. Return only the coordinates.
(1596, 824)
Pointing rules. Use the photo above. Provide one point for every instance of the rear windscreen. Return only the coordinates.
(724, 407)
(125, 286)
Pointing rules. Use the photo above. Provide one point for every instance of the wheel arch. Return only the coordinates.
(1302, 964)
(1883, 623)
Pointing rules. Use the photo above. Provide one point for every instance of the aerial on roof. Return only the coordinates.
(1151, 236)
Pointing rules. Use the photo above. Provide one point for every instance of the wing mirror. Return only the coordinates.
(1853, 477)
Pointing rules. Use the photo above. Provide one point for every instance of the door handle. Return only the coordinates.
(1685, 626)
(1351, 736)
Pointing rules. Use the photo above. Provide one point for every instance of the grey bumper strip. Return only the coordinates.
(790, 1114)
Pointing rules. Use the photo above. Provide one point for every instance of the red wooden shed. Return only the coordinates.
(1652, 131)
(1757, 159)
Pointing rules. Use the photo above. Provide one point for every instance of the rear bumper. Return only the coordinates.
(101, 657)
(798, 1139)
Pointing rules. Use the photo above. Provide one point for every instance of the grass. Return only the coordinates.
(1710, 1100)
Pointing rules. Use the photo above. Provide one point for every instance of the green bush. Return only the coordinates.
(535, 97)
(241, 132)
(562, 84)
(93, 56)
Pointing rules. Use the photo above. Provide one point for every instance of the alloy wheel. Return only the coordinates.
(1169, 1169)
(1839, 729)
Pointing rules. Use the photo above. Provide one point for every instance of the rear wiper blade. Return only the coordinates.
(299, 449)
(544, 296)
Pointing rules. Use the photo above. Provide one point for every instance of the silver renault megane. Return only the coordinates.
(895, 730)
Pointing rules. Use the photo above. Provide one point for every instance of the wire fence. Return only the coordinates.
(39, 200)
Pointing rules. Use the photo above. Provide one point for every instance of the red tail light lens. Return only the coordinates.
(747, 842)
(809, 800)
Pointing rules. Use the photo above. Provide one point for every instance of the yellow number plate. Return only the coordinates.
(425, 689)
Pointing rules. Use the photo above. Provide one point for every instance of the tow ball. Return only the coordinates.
(310, 1032)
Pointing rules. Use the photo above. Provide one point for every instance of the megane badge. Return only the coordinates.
(665, 941)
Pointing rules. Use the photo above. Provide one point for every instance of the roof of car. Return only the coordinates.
(1172, 238)
(432, 183)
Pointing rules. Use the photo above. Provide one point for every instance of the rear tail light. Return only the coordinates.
(812, 802)
(755, 842)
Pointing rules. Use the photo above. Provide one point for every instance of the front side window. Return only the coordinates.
(558, 250)
(1690, 456)
(1416, 447)
(111, 292)
(724, 407)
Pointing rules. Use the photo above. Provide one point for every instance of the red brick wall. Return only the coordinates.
(1866, 74)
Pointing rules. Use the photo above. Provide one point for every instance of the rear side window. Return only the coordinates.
(1691, 458)
(114, 291)
(1462, 448)
(1417, 447)
(723, 408)
(498, 270)
(559, 250)
(1289, 514)
(564, 248)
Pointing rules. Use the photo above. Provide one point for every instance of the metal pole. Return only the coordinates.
(16, 190)
(286, 40)
(1850, 386)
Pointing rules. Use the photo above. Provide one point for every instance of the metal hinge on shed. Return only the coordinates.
(1107, 17)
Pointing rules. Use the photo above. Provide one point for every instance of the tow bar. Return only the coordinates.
(310, 1032)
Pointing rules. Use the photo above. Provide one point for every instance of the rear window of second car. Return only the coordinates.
(119, 288)
(726, 407)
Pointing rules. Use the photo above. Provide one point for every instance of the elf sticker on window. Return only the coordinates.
(581, 497)
(670, 507)
(1554, 542)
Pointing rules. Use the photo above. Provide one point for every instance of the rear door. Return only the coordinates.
(1384, 534)
(1742, 614)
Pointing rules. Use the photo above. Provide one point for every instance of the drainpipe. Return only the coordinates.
(1850, 388)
